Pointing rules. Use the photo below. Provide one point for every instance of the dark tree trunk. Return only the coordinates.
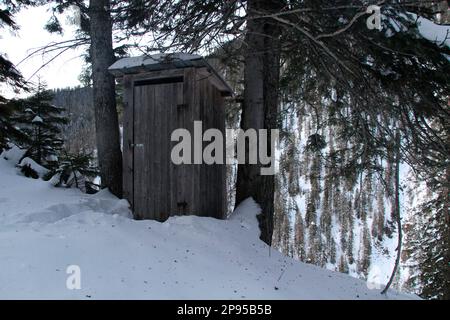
(397, 211)
(260, 107)
(106, 119)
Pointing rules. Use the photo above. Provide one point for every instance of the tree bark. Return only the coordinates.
(106, 119)
(260, 107)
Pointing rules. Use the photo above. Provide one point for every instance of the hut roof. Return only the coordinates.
(166, 61)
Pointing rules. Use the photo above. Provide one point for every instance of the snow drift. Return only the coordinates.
(44, 229)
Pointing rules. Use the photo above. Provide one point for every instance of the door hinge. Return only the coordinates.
(137, 145)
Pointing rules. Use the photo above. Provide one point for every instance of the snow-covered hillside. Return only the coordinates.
(44, 229)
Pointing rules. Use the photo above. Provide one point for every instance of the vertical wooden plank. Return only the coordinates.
(216, 167)
(151, 154)
(167, 114)
(136, 162)
(204, 169)
(153, 132)
(138, 154)
(128, 139)
(189, 180)
(196, 195)
(194, 109)
(163, 100)
(220, 114)
(171, 112)
(178, 101)
(218, 118)
(146, 118)
(180, 171)
(209, 118)
(163, 141)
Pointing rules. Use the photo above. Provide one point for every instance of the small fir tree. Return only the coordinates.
(42, 123)
(76, 170)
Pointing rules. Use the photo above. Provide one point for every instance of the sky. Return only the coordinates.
(62, 72)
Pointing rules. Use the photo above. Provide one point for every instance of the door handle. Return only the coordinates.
(137, 145)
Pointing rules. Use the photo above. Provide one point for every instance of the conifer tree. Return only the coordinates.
(11, 77)
(76, 170)
(42, 123)
(9, 132)
(428, 249)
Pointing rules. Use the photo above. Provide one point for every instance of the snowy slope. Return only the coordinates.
(44, 229)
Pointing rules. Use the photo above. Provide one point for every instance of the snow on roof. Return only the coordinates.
(155, 59)
(165, 61)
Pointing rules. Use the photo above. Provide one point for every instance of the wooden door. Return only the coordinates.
(155, 177)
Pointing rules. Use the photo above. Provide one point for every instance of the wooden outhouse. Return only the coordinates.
(162, 93)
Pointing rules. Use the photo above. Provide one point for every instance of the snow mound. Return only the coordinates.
(41, 171)
(43, 230)
(13, 154)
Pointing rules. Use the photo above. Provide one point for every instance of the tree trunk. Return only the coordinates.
(397, 211)
(446, 218)
(260, 107)
(106, 119)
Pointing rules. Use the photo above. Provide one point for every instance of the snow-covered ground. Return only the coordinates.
(44, 229)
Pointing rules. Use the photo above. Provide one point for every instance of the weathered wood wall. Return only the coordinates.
(154, 186)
